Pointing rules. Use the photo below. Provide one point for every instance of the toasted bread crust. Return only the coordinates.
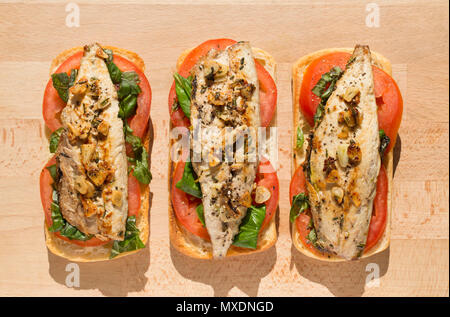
(297, 75)
(131, 56)
(195, 247)
(77, 253)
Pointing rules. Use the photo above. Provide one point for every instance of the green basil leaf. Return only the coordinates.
(319, 113)
(141, 171)
(61, 83)
(114, 72)
(53, 172)
(73, 233)
(188, 182)
(249, 228)
(201, 214)
(384, 141)
(300, 203)
(134, 140)
(183, 88)
(57, 219)
(129, 85)
(127, 107)
(54, 140)
(131, 242)
(300, 138)
(312, 237)
(324, 88)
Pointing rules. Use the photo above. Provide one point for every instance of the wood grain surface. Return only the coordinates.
(412, 34)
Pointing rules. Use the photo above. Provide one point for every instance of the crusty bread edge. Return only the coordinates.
(76, 253)
(184, 241)
(131, 56)
(298, 120)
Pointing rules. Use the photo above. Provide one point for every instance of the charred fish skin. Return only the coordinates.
(91, 154)
(344, 161)
(225, 101)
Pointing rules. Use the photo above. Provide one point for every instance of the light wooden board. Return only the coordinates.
(412, 34)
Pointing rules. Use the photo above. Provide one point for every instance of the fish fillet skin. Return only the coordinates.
(225, 110)
(342, 226)
(92, 152)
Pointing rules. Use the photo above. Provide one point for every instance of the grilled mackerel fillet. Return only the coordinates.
(225, 108)
(344, 161)
(91, 153)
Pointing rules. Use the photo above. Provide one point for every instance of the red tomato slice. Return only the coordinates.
(46, 190)
(315, 70)
(390, 104)
(388, 96)
(267, 93)
(134, 196)
(177, 117)
(379, 214)
(53, 104)
(184, 205)
(267, 177)
(302, 223)
(297, 186)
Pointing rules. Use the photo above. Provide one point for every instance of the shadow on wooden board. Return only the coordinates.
(397, 151)
(243, 272)
(341, 278)
(112, 278)
(115, 277)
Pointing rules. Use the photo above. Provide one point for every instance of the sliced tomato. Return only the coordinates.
(53, 104)
(267, 93)
(134, 196)
(388, 96)
(184, 205)
(315, 70)
(297, 186)
(302, 223)
(379, 214)
(390, 104)
(177, 116)
(267, 177)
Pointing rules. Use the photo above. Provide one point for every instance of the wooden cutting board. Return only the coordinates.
(412, 34)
